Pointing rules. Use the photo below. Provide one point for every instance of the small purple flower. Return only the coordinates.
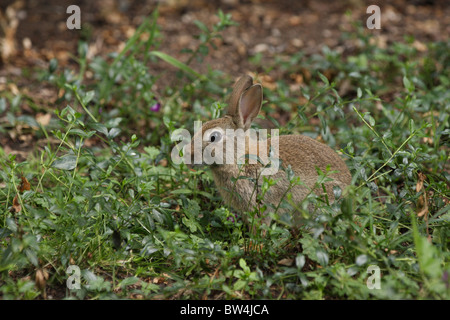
(156, 107)
(232, 218)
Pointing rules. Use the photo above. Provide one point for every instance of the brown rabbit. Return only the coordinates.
(301, 153)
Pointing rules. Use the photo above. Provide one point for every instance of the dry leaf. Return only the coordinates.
(26, 43)
(24, 185)
(41, 278)
(13, 88)
(255, 247)
(424, 209)
(286, 262)
(419, 46)
(163, 163)
(428, 140)
(419, 185)
(422, 202)
(43, 119)
(267, 81)
(160, 280)
(16, 207)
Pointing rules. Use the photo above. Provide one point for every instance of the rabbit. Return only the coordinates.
(303, 154)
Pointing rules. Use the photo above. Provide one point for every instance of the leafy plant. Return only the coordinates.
(103, 194)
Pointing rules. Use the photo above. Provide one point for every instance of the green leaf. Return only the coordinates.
(337, 191)
(100, 127)
(83, 49)
(203, 50)
(193, 209)
(370, 119)
(81, 133)
(152, 151)
(181, 191)
(178, 64)
(411, 125)
(361, 260)
(114, 132)
(31, 121)
(201, 26)
(324, 79)
(15, 101)
(300, 261)
(68, 113)
(408, 84)
(150, 221)
(11, 224)
(128, 282)
(244, 266)
(88, 97)
(53, 65)
(322, 257)
(427, 254)
(2, 105)
(190, 223)
(31, 255)
(158, 216)
(67, 162)
(239, 285)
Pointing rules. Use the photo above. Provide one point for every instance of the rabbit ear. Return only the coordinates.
(250, 105)
(241, 85)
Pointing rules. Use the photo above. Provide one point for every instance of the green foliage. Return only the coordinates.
(106, 197)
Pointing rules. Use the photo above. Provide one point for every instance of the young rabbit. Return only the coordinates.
(301, 153)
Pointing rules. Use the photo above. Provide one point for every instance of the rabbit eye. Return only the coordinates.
(215, 136)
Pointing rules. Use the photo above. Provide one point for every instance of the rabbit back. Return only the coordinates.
(239, 186)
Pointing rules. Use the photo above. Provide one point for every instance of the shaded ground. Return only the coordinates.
(268, 27)
(265, 25)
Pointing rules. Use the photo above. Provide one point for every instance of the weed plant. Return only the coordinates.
(104, 195)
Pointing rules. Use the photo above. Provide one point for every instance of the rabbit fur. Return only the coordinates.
(303, 154)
